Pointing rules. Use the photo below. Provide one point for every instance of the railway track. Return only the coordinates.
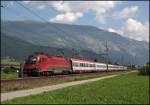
(54, 76)
(9, 85)
(31, 78)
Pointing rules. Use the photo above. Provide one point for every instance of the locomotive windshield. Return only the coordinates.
(31, 59)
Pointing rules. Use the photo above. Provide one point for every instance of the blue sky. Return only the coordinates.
(128, 18)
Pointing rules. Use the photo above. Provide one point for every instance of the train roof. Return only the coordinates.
(79, 60)
(73, 59)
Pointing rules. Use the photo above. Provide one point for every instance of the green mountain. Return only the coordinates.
(25, 37)
(20, 50)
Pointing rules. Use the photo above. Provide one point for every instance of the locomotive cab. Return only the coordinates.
(31, 66)
(31, 60)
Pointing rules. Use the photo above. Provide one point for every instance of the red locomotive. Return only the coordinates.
(46, 65)
(42, 64)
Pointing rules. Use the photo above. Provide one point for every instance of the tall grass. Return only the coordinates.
(145, 70)
(9, 75)
(123, 89)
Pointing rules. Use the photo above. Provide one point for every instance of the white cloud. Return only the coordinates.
(72, 8)
(115, 30)
(136, 30)
(111, 30)
(66, 18)
(133, 29)
(126, 13)
(99, 7)
(27, 2)
(41, 7)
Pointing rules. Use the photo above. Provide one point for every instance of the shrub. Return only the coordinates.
(145, 70)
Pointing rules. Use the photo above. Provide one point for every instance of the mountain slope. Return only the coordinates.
(78, 37)
(20, 49)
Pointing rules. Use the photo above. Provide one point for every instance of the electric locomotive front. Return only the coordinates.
(42, 64)
(31, 66)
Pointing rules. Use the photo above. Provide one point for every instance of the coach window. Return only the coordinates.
(83, 64)
(93, 65)
(76, 64)
(89, 65)
(86, 65)
(80, 64)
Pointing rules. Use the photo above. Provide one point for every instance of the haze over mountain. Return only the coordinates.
(67, 36)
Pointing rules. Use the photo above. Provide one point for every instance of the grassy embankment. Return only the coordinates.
(145, 70)
(124, 89)
(9, 75)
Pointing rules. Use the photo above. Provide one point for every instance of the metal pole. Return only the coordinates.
(106, 55)
(122, 60)
(21, 70)
(2, 6)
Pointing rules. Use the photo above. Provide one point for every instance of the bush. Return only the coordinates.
(145, 70)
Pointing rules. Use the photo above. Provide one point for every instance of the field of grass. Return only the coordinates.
(9, 75)
(124, 89)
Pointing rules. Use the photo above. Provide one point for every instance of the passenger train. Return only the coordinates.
(42, 64)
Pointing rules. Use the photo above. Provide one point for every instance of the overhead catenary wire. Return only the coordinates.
(38, 16)
(13, 11)
(35, 14)
(107, 55)
(31, 11)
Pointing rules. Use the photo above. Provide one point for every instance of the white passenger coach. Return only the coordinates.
(88, 66)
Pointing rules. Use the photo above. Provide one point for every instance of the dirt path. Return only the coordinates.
(21, 93)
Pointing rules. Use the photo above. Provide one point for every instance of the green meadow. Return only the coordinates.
(124, 89)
